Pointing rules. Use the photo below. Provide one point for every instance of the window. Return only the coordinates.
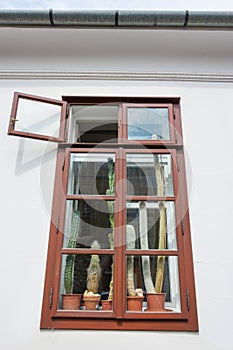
(120, 243)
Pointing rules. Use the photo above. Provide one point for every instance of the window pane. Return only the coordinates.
(96, 123)
(88, 221)
(91, 174)
(82, 273)
(151, 225)
(38, 117)
(152, 275)
(148, 124)
(149, 175)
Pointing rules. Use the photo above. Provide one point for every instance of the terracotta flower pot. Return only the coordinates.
(135, 303)
(155, 301)
(91, 302)
(71, 301)
(106, 304)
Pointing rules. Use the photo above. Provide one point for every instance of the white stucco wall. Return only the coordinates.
(28, 166)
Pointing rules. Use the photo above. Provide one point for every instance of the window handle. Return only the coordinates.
(13, 120)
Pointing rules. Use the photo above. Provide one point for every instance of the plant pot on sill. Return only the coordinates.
(91, 302)
(106, 304)
(155, 302)
(134, 303)
(71, 301)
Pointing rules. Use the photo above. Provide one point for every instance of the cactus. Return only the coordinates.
(162, 226)
(69, 266)
(111, 177)
(157, 286)
(144, 245)
(110, 191)
(94, 271)
(130, 244)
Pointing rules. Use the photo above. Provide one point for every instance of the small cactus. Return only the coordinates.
(94, 271)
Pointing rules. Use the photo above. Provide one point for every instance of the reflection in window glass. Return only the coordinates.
(148, 124)
(145, 222)
(149, 175)
(143, 273)
(38, 117)
(87, 221)
(91, 174)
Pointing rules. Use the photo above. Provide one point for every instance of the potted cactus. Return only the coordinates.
(71, 301)
(155, 297)
(135, 295)
(91, 297)
(107, 304)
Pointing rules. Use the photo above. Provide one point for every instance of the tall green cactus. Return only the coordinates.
(69, 266)
(110, 191)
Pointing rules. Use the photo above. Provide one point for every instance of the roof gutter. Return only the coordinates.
(118, 19)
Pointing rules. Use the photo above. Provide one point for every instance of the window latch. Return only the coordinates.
(13, 120)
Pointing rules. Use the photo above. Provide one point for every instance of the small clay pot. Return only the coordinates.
(91, 302)
(106, 304)
(135, 303)
(71, 301)
(155, 301)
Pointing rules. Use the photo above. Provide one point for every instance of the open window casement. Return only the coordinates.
(38, 117)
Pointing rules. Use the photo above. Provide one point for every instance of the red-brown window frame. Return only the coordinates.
(171, 112)
(13, 117)
(119, 319)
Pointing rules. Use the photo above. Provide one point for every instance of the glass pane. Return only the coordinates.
(38, 117)
(151, 225)
(91, 173)
(88, 221)
(149, 175)
(97, 123)
(153, 277)
(85, 278)
(148, 123)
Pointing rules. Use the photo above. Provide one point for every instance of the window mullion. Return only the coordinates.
(119, 234)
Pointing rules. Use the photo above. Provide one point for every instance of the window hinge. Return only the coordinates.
(66, 122)
(57, 223)
(51, 297)
(182, 226)
(177, 164)
(187, 298)
(176, 140)
(67, 111)
(174, 113)
(65, 134)
(63, 164)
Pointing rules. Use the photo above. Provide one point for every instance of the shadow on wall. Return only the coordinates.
(31, 153)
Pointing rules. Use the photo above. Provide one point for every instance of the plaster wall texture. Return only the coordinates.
(28, 168)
